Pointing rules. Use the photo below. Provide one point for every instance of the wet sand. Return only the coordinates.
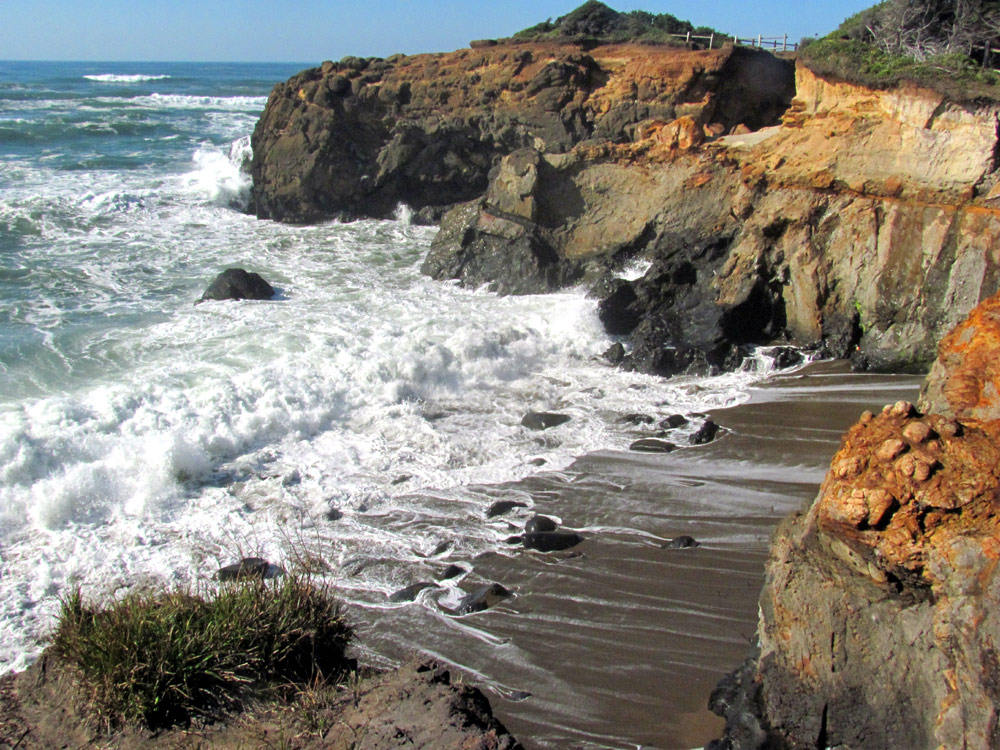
(619, 641)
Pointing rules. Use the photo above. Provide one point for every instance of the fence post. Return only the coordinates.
(759, 38)
(711, 40)
(688, 40)
(784, 45)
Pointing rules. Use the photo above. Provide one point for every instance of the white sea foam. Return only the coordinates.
(125, 78)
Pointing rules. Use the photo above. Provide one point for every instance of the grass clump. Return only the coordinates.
(164, 659)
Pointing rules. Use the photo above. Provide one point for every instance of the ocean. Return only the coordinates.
(359, 425)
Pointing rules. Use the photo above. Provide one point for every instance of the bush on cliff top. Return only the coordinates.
(932, 43)
(596, 21)
(163, 659)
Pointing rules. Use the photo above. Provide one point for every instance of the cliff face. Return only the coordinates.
(358, 137)
(880, 615)
(867, 223)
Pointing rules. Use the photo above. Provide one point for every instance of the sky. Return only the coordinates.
(316, 30)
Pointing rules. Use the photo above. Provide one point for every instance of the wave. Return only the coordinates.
(124, 78)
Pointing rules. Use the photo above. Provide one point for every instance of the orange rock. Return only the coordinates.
(965, 380)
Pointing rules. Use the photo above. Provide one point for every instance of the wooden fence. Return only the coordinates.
(774, 43)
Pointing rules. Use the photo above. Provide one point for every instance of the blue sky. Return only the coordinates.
(316, 30)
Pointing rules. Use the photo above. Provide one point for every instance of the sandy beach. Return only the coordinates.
(619, 641)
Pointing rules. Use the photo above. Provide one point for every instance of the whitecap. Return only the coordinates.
(125, 78)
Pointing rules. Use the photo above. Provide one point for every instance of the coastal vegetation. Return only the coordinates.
(596, 21)
(947, 46)
(159, 659)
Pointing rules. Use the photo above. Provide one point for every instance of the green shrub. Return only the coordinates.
(163, 659)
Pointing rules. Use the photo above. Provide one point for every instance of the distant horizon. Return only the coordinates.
(256, 31)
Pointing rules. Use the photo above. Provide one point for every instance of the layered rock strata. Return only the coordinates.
(866, 223)
(880, 614)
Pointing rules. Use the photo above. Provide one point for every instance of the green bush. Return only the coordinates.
(163, 659)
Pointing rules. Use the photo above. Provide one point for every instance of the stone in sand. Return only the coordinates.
(652, 445)
(682, 542)
(706, 433)
(504, 506)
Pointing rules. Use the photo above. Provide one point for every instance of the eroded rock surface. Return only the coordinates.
(880, 614)
(358, 137)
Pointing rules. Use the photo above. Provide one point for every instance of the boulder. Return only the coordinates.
(880, 613)
(452, 571)
(673, 422)
(706, 433)
(543, 420)
(236, 284)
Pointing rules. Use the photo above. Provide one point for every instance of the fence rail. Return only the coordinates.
(764, 42)
(768, 42)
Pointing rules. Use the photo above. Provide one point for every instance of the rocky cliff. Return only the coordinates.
(880, 615)
(865, 223)
(358, 137)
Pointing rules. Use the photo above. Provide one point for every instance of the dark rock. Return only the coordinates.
(786, 356)
(334, 515)
(500, 507)
(539, 524)
(516, 539)
(550, 541)
(541, 420)
(248, 567)
(681, 542)
(235, 283)
(537, 462)
(706, 433)
(409, 593)
(652, 445)
(482, 598)
(615, 354)
(452, 571)
(621, 310)
(402, 478)
(636, 419)
(673, 422)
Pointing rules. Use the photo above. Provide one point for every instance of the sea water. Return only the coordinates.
(146, 440)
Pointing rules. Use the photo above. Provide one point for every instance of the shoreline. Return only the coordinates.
(619, 641)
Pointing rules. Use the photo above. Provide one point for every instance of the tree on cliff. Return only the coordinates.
(922, 29)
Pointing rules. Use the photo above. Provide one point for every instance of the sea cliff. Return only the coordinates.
(768, 207)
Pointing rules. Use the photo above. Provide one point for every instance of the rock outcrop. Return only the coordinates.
(866, 223)
(418, 705)
(880, 615)
(358, 137)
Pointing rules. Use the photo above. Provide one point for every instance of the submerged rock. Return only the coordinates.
(500, 507)
(482, 598)
(409, 593)
(681, 542)
(550, 541)
(543, 420)
(236, 284)
(652, 445)
(539, 523)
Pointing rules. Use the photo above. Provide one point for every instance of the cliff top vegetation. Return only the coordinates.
(595, 21)
(947, 45)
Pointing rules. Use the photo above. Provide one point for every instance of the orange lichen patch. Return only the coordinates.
(898, 497)
(971, 365)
